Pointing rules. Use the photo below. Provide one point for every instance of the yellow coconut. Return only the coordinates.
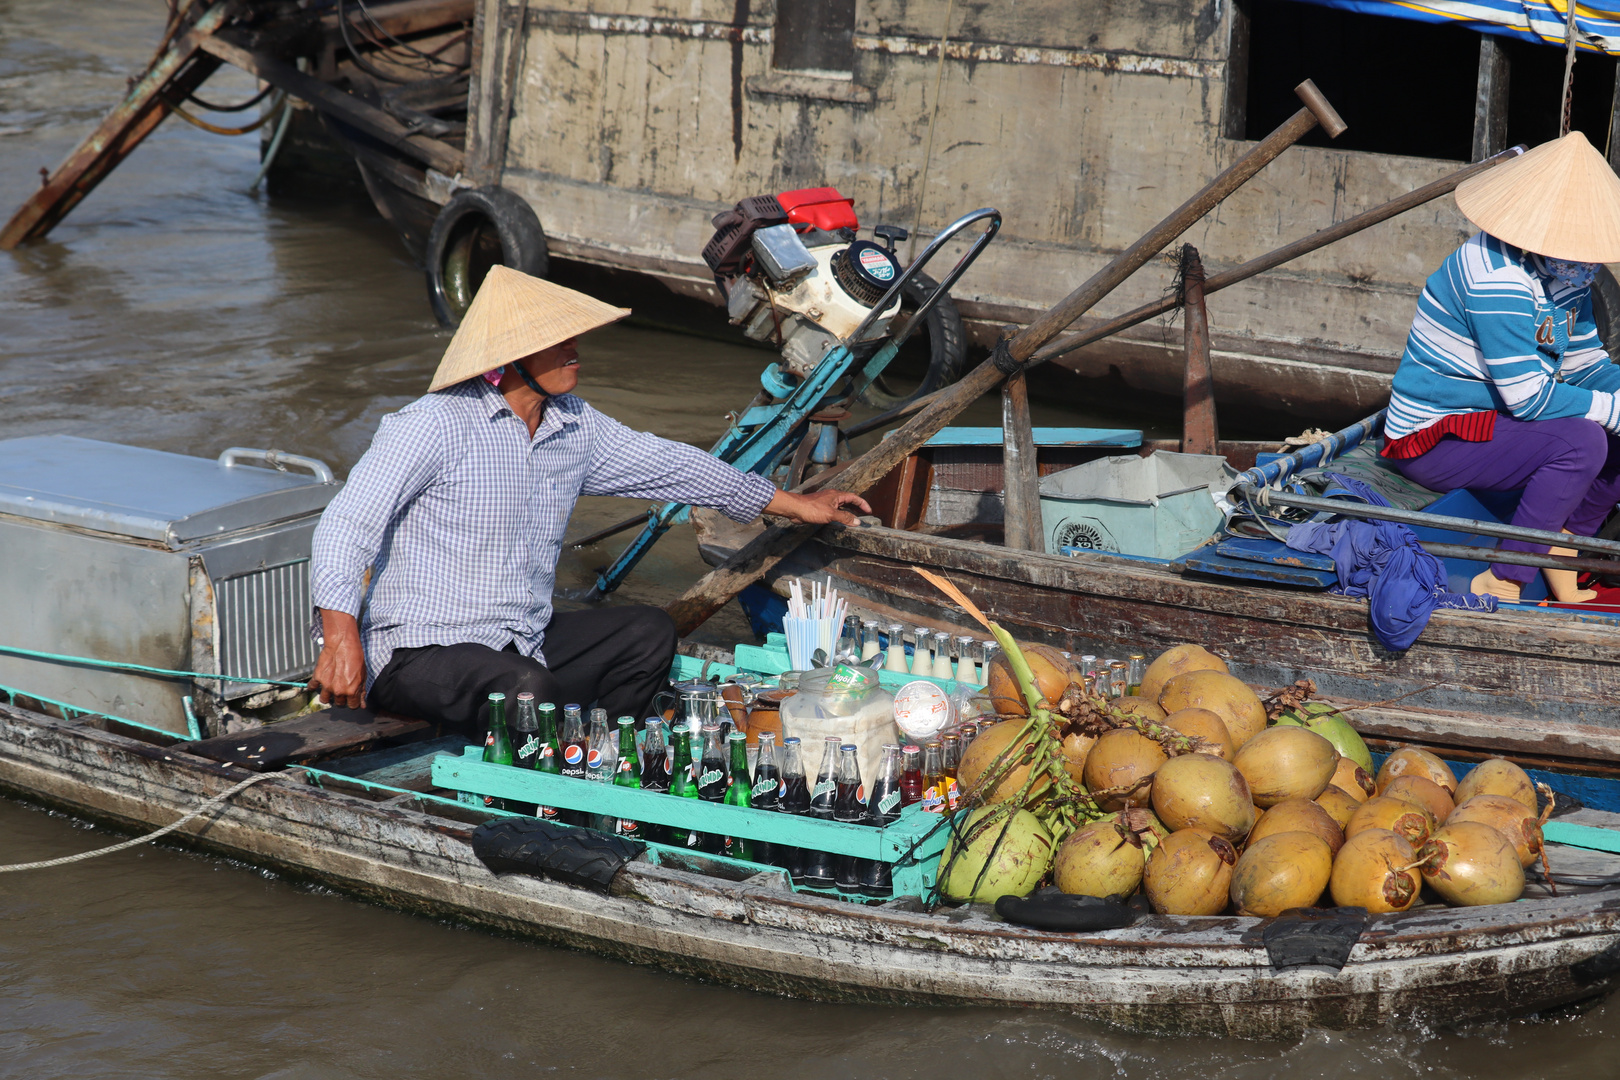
(1220, 693)
(1353, 780)
(1205, 726)
(1286, 763)
(1177, 661)
(1339, 804)
(1424, 792)
(1120, 768)
(1409, 760)
(1507, 816)
(1497, 777)
(1281, 871)
(1075, 748)
(1374, 871)
(1189, 873)
(1103, 858)
(1299, 815)
(1470, 863)
(1413, 823)
(1053, 674)
(982, 753)
(1202, 791)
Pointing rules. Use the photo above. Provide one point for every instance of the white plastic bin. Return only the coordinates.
(1159, 505)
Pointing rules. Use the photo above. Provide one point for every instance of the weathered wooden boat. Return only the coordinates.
(371, 824)
(1542, 681)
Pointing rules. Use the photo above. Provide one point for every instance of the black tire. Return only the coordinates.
(1606, 311)
(479, 228)
(942, 338)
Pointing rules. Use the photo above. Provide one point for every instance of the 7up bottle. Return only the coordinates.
(549, 759)
(625, 776)
(739, 793)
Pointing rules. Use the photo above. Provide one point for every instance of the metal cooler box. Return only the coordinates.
(140, 556)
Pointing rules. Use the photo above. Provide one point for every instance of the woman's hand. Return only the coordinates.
(818, 507)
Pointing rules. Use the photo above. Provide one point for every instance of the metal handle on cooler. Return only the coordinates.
(276, 459)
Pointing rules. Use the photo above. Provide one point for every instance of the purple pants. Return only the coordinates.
(1569, 469)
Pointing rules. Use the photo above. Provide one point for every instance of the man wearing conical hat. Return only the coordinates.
(1504, 383)
(459, 507)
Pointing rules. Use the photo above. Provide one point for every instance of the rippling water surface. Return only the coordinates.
(173, 310)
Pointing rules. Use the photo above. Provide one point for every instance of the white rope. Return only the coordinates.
(169, 828)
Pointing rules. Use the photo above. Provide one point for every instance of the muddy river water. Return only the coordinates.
(176, 311)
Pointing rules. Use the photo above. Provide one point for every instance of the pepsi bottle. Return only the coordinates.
(882, 808)
(600, 757)
(820, 867)
(850, 808)
(574, 742)
(794, 798)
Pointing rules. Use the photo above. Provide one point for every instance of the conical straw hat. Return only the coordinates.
(1561, 200)
(512, 316)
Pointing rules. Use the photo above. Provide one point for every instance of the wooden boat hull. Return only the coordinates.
(1165, 974)
(1538, 684)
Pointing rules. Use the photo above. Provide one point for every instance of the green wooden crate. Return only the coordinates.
(911, 846)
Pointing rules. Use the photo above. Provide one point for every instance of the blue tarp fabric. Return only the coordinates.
(1382, 561)
(1597, 26)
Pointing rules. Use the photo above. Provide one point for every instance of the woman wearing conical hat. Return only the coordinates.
(459, 508)
(1504, 383)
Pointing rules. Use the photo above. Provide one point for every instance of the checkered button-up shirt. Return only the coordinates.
(461, 515)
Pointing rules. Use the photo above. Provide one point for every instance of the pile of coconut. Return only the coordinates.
(1208, 799)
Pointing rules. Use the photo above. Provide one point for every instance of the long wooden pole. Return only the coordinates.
(1020, 479)
(1319, 239)
(715, 589)
(1199, 434)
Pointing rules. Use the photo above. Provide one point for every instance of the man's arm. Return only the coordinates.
(404, 457)
(638, 465)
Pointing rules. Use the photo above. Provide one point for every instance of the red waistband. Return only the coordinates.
(1469, 427)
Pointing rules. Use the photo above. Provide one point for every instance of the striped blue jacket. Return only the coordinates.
(1494, 332)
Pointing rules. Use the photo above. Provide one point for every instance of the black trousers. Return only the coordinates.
(618, 657)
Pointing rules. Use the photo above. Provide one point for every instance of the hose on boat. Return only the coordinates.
(149, 837)
(142, 669)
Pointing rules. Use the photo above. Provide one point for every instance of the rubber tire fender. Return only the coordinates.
(455, 232)
(947, 345)
(1606, 311)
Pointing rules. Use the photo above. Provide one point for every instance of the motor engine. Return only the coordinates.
(794, 275)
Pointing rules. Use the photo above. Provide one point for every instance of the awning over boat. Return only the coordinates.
(1597, 27)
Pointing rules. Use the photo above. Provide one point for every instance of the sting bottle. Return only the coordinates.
(850, 808)
(794, 799)
(821, 868)
(766, 794)
(882, 808)
(712, 780)
(525, 728)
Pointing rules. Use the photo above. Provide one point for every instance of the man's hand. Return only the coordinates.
(818, 507)
(340, 673)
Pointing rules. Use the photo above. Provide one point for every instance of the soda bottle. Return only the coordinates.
(739, 792)
(1135, 671)
(625, 776)
(600, 756)
(882, 808)
(573, 742)
(766, 794)
(935, 795)
(682, 786)
(849, 806)
(525, 733)
(793, 798)
(820, 867)
(911, 777)
(712, 780)
(950, 752)
(549, 760)
(497, 744)
(655, 772)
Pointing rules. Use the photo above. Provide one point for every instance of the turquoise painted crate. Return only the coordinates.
(911, 846)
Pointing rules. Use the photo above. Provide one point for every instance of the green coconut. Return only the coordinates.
(1327, 722)
(1018, 854)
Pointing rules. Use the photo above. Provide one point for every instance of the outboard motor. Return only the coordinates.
(794, 275)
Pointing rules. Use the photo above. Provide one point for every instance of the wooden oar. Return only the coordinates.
(715, 589)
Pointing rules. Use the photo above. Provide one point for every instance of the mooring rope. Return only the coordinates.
(149, 837)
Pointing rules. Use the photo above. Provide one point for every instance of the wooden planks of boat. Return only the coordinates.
(1164, 974)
